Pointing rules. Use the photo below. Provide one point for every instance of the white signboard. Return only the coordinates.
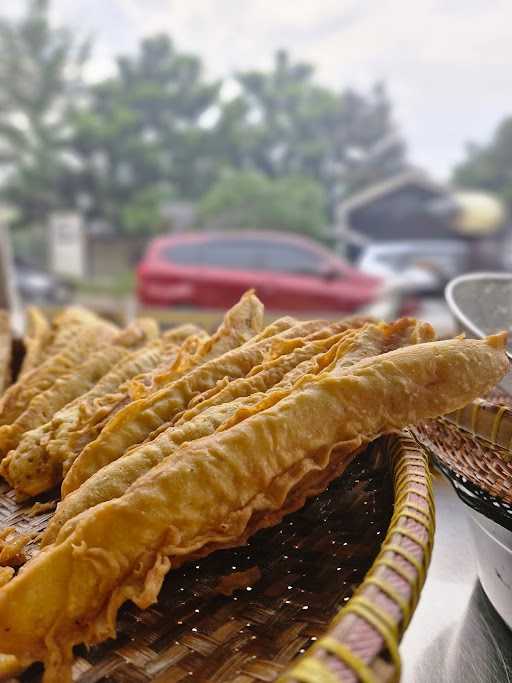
(67, 245)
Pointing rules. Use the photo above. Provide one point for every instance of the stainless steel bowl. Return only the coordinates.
(481, 303)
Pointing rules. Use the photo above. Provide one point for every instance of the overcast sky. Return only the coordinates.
(447, 63)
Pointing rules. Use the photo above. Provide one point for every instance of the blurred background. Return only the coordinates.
(336, 155)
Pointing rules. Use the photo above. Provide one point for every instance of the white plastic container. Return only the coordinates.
(494, 556)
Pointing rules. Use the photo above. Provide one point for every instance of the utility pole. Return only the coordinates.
(9, 299)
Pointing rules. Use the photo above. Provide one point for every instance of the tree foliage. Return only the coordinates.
(140, 142)
(489, 167)
(248, 199)
(40, 84)
(158, 130)
(283, 123)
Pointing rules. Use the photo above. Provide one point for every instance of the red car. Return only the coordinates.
(212, 270)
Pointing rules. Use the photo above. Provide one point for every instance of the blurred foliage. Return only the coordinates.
(40, 84)
(489, 167)
(158, 131)
(283, 123)
(31, 245)
(248, 199)
(139, 142)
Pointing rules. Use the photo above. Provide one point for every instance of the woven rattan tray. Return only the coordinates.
(324, 596)
(474, 450)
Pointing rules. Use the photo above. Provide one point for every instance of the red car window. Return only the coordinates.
(289, 258)
(183, 254)
(249, 254)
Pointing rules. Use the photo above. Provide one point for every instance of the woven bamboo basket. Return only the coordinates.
(473, 448)
(323, 597)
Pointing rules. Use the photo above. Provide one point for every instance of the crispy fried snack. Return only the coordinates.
(214, 492)
(37, 338)
(64, 328)
(27, 467)
(137, 420)
(242, 322)
(72, 428)
(112, 480)
(30, 470)
(41, 455)
(81, 340)
(277, 375)
(285, 351)
(77, 381)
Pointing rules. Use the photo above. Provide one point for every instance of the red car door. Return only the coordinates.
(229, 267)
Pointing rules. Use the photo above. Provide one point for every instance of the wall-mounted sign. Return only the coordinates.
(67, 244)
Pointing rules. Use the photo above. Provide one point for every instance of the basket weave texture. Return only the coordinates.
(476, 444)
(307, 589)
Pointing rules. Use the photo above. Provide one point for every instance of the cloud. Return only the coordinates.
(446, 62)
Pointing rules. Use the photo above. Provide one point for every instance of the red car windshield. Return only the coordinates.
(250, 254)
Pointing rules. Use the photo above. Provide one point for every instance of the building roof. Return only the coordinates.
(414, 177)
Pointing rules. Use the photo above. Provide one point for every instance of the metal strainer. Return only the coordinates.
(482, 304)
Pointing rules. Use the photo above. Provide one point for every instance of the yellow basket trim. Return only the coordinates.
(407, 457)
(311, 670)
(378, 612)
(394, 595)
(408, 533)
(402, 501)
(389, 637)
(409, 557)
(496, 423)
(398, 569)
(411, 514)
(474, 416)
(345, 655)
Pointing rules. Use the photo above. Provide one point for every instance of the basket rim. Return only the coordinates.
(387, 597)
(489, 421)
(490, 425)
(475, 497)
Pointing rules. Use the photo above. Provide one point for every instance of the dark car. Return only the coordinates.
(40, 287)
(289, 273)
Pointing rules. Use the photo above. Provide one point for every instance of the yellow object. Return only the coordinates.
(479, 214)
(410, 487)
(217, 491)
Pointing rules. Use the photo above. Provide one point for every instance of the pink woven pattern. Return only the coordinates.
(389, 592)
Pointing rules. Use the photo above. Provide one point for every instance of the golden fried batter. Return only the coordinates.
(241, 323)
(137, 420)
(36, 340)
(83, 340)
(27, 467)
(280, 374)
(213, 492)
(78, 380)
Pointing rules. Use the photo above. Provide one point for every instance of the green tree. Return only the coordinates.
(248, 199)
(40, 84)
(141, 141)
(489, 167)
(283, 123)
